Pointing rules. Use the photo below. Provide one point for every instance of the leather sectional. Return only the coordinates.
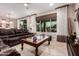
(13, 37)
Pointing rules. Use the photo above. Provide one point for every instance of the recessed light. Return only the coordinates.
(11, 22)
(51, 4)
(25, 4)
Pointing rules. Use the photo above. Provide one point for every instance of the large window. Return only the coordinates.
(46, 24)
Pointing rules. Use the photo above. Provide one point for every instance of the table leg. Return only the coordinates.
(36, 51)
(48, 42)
(0, 49)
(22, 45)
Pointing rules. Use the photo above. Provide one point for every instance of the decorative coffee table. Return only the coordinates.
(40, 40)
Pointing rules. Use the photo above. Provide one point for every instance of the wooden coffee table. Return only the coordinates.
(36, 44)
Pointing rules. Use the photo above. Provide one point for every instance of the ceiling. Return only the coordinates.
(17, 10)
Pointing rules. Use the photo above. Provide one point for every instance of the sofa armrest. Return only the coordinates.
(7, 51)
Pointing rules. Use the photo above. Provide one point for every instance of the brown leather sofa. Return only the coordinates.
(13, 37)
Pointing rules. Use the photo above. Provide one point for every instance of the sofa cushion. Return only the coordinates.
(2, 45)
(2, 31)
(1, 42)
(10, 32)
(17, 31)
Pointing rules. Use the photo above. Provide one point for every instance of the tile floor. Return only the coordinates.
(54, 49)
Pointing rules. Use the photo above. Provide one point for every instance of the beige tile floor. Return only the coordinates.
(54, 49)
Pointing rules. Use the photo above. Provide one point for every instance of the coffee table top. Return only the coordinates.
(36, 39)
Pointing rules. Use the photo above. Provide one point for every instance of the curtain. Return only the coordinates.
(70, 27)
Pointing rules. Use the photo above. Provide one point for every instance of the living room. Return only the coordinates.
(45, 28)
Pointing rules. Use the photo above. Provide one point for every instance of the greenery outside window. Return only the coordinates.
(46, 24)
(23, 24)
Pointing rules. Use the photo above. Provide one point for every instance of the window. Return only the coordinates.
(23, 24)
(53, 26)
(38, 25)
(45, 24)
